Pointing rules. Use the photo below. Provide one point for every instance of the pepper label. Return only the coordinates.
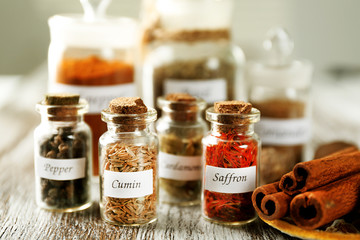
(60, 169)
(128, 184)
(98, 97)
(183, 168)
(283, 132)
(230, 180)
(211, 90)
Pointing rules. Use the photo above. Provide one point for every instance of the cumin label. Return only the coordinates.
(128, 184)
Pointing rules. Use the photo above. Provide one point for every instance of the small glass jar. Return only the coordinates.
(94, 59)
(180, 130)
(230, 167)
(128, 169)
(187, 47)
(63, 164)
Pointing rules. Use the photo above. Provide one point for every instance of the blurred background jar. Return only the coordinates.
(186, 46)
(92, 55)
(280, 89)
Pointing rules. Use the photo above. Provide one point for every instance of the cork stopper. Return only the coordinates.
(239, 107)
(180, 97)
(183, 106)
(62, 99)
(127, 105)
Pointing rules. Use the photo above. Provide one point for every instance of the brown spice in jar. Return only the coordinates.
(120, 157)
(278, 160)
(196, 70)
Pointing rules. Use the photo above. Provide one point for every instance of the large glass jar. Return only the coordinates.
(280, 89)
(128, 168)
(230, 167)
(187, 47)
(62, 148)
(180, 130)
(95, 59)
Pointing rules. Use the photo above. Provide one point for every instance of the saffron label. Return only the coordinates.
(60, 169)
(128, 184)
(230, 180)
(283, 132)
(98, 97)
(183, 168)
(211, 90)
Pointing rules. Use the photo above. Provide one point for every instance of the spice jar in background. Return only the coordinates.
(128, 163)
(94, 58)
(180, 130)
(280, 89)
(62, 149)
(230, 163)
(187, 47)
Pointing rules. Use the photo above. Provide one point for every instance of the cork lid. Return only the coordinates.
(181, 106)
(129, 112)
(62, 106)
(233, 112)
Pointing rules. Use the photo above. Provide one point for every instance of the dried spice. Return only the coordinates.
(180, 132)
(230, 160)
(277, 160)
(67, 144)
(195, 70)
(64, 137)
(94, 71)
(121, 157)
(128, 175)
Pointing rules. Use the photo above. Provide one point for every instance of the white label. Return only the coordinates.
(211, 90)
(60, 169)
(230, 180)
(184, 168)
(283, 131)
(128, 184)
(97, 96)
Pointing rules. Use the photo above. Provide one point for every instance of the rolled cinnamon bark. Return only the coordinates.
(275, 206)
(318, 172)
(320, 206)
(269, 202)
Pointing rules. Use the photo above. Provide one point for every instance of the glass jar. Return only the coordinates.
(187, 48)
(63, 166)
(95, 59)
(230, 167)
(180, 130)
(128, 169)
(280, 89)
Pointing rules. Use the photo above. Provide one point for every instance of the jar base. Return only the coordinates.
(128, 225)
(238, 223)
(72, 209)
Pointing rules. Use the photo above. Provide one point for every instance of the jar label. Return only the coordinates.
(283, 132)
(98, 97)
(211, 90)
(183, 168)
(128, 184)
(230, 180)
(60, 169)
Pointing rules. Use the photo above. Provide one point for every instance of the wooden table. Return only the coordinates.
(21, 219)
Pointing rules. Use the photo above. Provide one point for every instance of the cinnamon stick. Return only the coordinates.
(269, 202)
(318, 172)
(320, 206)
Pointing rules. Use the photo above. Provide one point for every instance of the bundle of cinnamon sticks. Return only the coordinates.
(314, 193)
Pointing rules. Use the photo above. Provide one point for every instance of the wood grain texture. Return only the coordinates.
(20, 218)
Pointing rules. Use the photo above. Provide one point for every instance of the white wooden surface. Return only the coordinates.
(21, 219)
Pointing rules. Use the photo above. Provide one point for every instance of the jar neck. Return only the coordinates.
(115, 128)
(218, 129)
(62, 121)
(181, 116)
